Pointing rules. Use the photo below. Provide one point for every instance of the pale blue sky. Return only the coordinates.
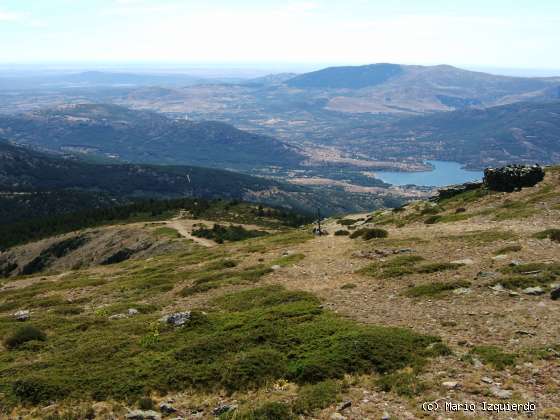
(492, 33)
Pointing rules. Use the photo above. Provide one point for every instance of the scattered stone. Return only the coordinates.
(515, 263)
(477, 363)
(404, 251)
(276, 267)
(513, 294)
(466, 261)
(486, 274)
(337, 416)
(504, 394)
(22, 315)
(499, 257)
(143, 415)
(523, 332)
(132, 311)
(498, 288)
(512, 177)
(535, 291)
(386, 416)
(462, 291)
(343, 405)
(555, 293)
(167, 408)
(450, 384)
(177, 319)
(222, 409)
(487, 380)
(118, 316)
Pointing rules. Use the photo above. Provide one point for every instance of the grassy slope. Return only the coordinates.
(260, 344)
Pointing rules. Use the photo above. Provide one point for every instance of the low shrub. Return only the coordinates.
(348, 286)
(552, 234)
(432, 219)
(403, 383)
(369, 233)
(146, 403)
(507, 249)
(346, 222)
(254, 368)
(494, 356)
(220, 233)
(273, 411)
(36, 390)
(341, 232)
(246, 339)
(23, 335)
(316, 397)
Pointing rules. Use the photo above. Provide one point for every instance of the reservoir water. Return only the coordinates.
(444, 173)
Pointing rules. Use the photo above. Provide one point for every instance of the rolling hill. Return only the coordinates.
(145, 137)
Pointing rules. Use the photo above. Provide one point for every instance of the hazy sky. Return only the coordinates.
(475, 32)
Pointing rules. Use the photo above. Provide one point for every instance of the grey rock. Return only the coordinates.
(276, 267)
(555, 293)
(177, 319)
(500, 393)
(133, 311)
(222, 409)
(515, 263)
(486, 274)
(498, 288)
(464, 261)
(462, 291)
(343, 405)
(535, 291)
(450, 384)
(499, 257)
(22, 315)
(337, 416)
(167, 408)
(118, 316)
(143, 415)
(487, 380)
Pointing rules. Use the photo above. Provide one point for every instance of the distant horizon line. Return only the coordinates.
(273, 66)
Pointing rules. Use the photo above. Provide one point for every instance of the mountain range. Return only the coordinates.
(393, 88)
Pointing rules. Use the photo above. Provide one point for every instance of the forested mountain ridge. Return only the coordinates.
(145, 137)
(525, 132)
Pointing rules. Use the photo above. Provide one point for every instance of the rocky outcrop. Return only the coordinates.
(512, 177)
(177, 319)
(453, 190)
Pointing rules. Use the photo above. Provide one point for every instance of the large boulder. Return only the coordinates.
(512, 177)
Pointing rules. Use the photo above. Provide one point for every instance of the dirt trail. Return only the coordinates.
(184, 227)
